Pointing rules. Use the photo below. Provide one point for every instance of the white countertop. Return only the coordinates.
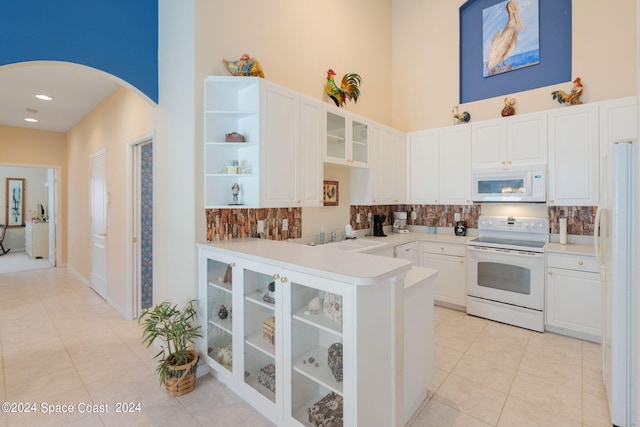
(418, 275)
(395, 239)
(322, 261)
(570, 249)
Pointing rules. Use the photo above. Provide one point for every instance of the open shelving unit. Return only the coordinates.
(231, 105)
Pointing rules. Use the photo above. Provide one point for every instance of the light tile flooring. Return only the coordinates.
(61, 344)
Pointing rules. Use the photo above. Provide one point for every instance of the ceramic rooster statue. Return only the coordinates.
(459, 117)
(349, 88)
(571, 98)
(245, 66)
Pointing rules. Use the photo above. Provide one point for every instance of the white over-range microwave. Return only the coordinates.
(518, 184)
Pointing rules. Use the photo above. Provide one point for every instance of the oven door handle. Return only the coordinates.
(514, 252)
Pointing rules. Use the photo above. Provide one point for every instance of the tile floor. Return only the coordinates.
(61, 344)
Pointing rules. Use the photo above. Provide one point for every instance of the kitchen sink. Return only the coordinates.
(354, 245)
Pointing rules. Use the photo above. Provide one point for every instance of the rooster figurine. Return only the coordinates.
(459, 117)
(245, 66)
(571, 98)
(349, 88)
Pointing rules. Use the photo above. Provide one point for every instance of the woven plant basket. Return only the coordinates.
(182, 378)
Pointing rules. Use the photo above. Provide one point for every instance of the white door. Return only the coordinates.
(51, 214)
(99, 222)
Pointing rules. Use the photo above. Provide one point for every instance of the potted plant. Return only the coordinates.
(433, 221)
(178, 361)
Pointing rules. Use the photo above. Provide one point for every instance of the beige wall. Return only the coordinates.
(296, 43)
(426, 50)
(21, 146)
(123, 117)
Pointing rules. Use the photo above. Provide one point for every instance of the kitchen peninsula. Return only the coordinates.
(341, 318)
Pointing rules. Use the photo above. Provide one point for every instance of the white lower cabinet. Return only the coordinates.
(450, 261)
(273, 349)
(36, 239)
(574, 296)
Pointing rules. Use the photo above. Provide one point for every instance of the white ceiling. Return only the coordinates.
(76, 90)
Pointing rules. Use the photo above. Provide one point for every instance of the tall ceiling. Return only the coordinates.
(76, 90)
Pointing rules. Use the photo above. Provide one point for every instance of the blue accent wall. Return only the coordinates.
(555, 52)
(119, 37)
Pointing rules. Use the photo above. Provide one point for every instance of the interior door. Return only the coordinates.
(99, 202)
(51, 214)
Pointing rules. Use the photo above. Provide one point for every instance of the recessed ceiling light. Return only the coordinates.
(31, 110)
(31, 120)
(44, 97)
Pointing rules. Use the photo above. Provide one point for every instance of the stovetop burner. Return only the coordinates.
(527, 234)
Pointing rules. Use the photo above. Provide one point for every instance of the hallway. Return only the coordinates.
(61, 344)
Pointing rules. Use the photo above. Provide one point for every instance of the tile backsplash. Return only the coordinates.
(225, 224)
(580, 219)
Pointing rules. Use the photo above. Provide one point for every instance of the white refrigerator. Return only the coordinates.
(615, 246)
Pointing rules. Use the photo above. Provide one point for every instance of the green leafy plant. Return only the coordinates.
(175, 328)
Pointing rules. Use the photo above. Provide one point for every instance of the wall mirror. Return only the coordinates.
(15, 202)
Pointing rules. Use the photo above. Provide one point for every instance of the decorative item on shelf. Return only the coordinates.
(233, 137)
(267, 377)
(349, 88)
(314, 306)
(327, 411)
(235, 191)
(225, 355)
(269, 330)
(270, 296)
(459, 117)
(334, 360)
(228, 275)
(245, 66)
(223, 313)
(509, 109)
(232, 168)
(178, 331)
(332, 306)
(571, 98)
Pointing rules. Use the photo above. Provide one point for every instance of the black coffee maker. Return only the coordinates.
(378, 224)
(461, 228)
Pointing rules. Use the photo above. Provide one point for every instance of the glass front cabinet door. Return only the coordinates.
(318, 363)
(262, 335)
(218, 313)
(347, 139)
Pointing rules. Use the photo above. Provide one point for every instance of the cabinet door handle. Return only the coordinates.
(233, 264)
(276, 276)
(283, 279)
(579, 262)
(551, 201)
(551, 273)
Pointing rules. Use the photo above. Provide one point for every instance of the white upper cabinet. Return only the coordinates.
(573, 156)
(310, 173)
(510, 141)
(279, 164)
(384, 183)
(440, 166)
(280, 152)
(618, 121)
(455, 165)
(346, 138)
(424, 167)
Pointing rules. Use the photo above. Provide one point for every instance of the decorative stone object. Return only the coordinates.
(327, 412)
(334, 360)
